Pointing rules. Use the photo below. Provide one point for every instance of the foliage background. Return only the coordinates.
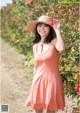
(15, 18)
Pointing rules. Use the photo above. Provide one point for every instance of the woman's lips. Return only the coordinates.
(42, 31)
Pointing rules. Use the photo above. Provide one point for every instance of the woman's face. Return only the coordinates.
(43, 30)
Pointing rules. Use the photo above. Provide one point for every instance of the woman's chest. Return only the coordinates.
(42, 49)
(47, 54)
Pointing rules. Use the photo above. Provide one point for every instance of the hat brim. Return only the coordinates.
(31, 26)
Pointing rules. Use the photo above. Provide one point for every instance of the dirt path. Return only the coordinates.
(16, 81)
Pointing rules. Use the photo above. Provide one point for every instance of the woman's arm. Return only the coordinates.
(60, 45)
(35, 65)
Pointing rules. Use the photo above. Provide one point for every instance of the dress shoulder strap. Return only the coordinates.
(36, 48)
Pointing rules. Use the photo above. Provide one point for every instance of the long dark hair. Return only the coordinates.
(51, 36)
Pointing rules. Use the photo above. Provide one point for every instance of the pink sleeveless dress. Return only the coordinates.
(47, 89)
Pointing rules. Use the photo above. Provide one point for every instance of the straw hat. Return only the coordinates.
(43, 19)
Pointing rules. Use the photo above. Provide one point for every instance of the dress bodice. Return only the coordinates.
(49, 56)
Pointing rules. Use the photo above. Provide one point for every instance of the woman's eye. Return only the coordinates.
(39, 25)
(45, 25)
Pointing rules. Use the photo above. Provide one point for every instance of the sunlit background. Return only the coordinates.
(4, 3)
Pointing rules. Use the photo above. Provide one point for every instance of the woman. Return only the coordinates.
(46, 90)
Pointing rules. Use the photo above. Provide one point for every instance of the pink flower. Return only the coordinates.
(78, 88)
(52, 21)
(79, 70)
(28, 1)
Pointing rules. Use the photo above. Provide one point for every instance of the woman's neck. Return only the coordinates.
(42, 40)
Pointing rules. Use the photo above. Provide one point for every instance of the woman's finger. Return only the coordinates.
(55, 20)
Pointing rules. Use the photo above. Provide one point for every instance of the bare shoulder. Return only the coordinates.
(34, 45)
(34, 49)
(54, 41)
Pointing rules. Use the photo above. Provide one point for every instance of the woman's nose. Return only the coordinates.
(42, 27)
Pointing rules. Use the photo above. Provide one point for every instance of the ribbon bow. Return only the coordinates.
(51, 20)
(78, 88)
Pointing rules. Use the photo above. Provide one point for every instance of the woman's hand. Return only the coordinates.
(56, 24)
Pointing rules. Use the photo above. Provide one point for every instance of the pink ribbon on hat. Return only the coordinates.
(78, 88)
(51, 20)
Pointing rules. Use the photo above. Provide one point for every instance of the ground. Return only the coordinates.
(16, 80)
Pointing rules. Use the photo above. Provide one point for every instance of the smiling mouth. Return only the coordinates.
(42, 31)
